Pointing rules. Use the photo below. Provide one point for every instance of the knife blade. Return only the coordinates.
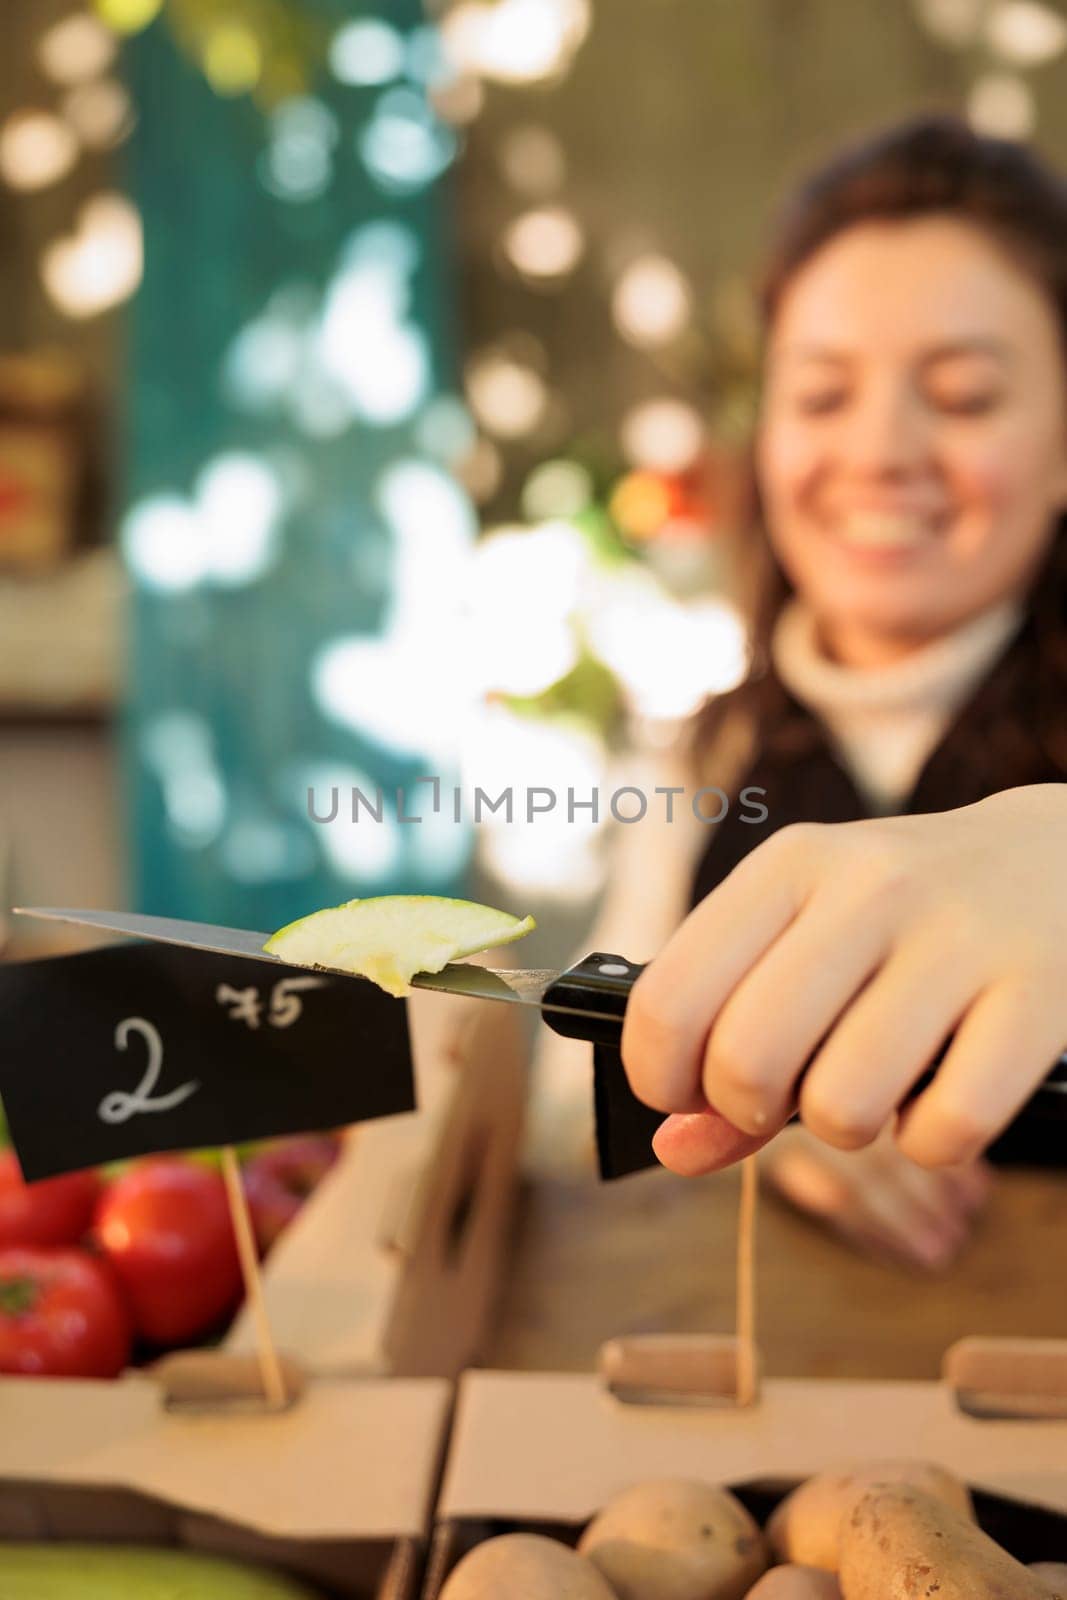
(585, 1001)
(600, 1001)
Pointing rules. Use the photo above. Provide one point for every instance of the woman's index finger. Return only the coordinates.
(677, 998)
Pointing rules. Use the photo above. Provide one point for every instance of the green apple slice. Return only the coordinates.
(390, 938)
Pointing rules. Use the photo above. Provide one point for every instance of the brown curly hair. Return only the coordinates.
(932, 164)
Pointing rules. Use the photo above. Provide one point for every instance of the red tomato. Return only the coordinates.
(165, 1227)
(61, 1314)
(53, 1211)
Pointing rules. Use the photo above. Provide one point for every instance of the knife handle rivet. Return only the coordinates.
(612, 969)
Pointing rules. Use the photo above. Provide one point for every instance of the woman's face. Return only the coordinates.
(912, 450)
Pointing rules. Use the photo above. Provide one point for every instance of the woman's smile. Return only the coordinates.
(872, 531)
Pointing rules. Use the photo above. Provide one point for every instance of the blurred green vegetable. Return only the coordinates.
(128, 1572)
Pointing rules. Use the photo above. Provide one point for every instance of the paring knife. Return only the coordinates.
(585, 1001)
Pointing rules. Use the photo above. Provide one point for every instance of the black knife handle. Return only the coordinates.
(588, 1001)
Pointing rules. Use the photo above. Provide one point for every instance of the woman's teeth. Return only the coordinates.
(882, 530)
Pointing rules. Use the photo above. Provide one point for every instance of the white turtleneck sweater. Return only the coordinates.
(886, 721)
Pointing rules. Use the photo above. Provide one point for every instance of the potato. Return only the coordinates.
(901, 1544)
(1054, 1575)
(796, 1583)
(524, 1565)
(805, 1527)
(676, 1540)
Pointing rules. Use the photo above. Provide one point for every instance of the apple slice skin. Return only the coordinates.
(132, 1572)
(388, 938)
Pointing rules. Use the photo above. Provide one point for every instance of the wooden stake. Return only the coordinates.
(747, 1375)
(269, 1366)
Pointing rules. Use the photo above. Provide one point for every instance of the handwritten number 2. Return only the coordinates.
(120, 1106)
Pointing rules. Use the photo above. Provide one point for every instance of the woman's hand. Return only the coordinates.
(876, 1199)
(829, 969)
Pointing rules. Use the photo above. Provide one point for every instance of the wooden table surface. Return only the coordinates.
(655, 1253)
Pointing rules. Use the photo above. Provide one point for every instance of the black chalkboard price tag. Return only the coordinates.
(145, 1047)
(624, 1124)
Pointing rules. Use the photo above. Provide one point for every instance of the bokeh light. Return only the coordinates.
(75, 49)
(227, 534)
(262, 363)
(665, 434)
(36, 149)
(195, 804)
(367, 52)
(954, 22)
(434, 525)
(298, 163)
(161, 541)
(1002, 104)
(297, 170)
(652, 301)
(100, 113)
(404, 687)
(178, 748)
(384, 690)
(239, 503)
(669, 655)
(518, 635)
(369, 851)
(389, 244)
(641, 504)
(232, 58)
(515, 41)
(364, 342)
(425, 60)
(1026, 33)
(553, 856)
(353, 353)
(405, 146)
(557, 489)
(545, 243)
(260, 849)
(100, 264)
(127, 16)
(508, 397)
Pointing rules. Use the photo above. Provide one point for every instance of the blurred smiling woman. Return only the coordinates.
(909, 582)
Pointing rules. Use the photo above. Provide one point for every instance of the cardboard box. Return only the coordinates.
(392, 1265)
(390, 1269)
(337, 1489)
(542, 1452)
